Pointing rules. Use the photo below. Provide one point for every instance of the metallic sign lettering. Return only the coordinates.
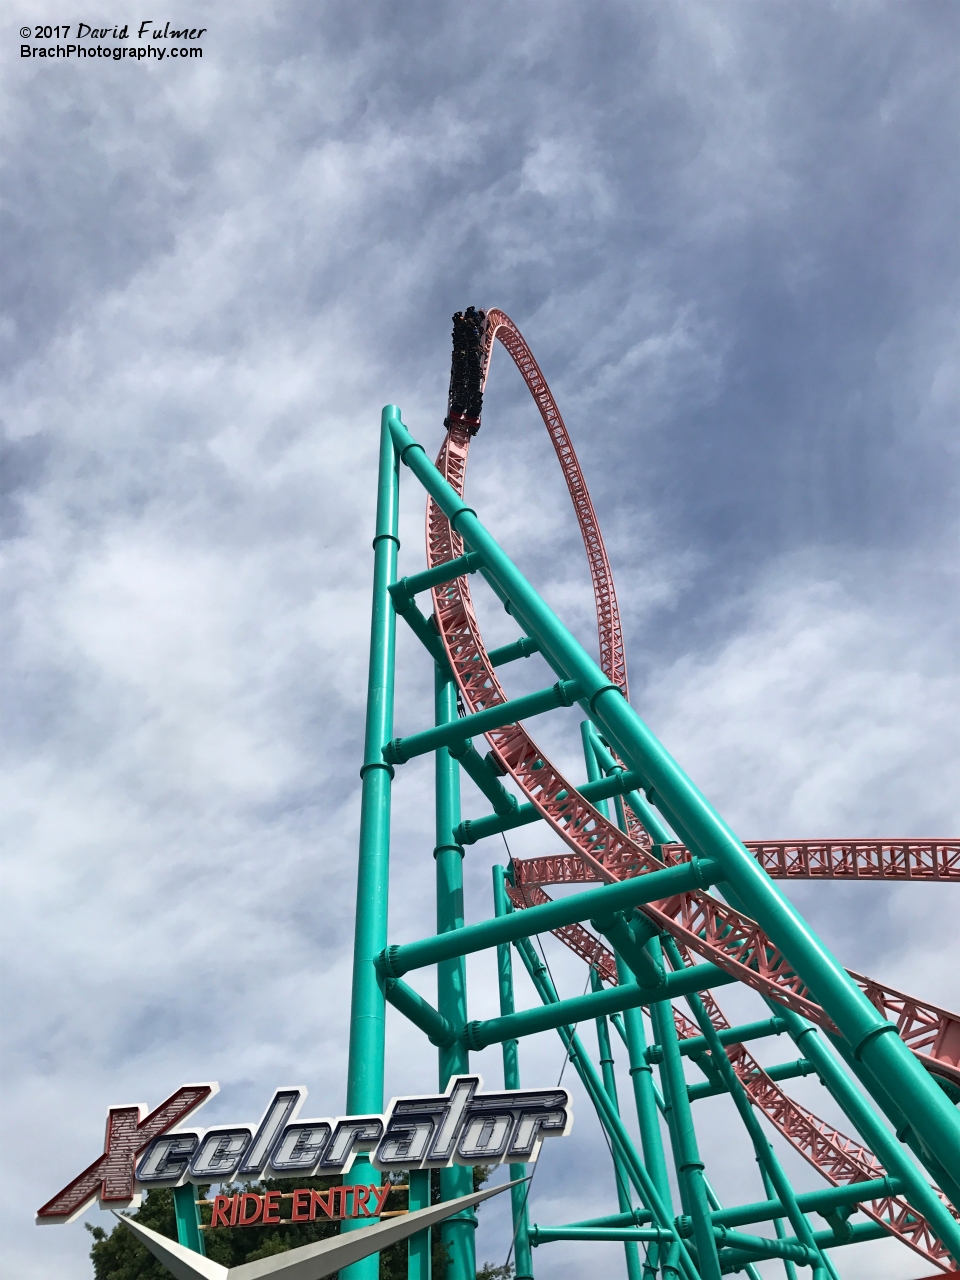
(463, 1125)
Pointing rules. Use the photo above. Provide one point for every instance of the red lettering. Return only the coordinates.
(338, 1198)
(271, 1207)
(248, 1197)
(302, 1209)
(381, 1194)
(111, 1177)
(220, 1204)
(235, 1210)
(325, 1201)
(360, 1197)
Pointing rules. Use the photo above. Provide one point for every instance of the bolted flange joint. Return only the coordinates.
(471, 1037)
(386, 963)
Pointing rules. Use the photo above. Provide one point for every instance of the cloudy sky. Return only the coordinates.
(728, 231)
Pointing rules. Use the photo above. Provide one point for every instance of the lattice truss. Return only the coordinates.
(686, 941)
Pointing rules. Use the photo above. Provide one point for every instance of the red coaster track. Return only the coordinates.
(600, 851)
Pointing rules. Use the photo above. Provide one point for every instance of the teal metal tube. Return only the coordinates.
(609, 1078)
(562, 694)
(635, 1218)
(474, 829)
(187, 1213)
(629, 1235)
(630, 1028)
(650, 975)
(398, 960)
(641, 1075)
(789, 1270)
(695, 1045)
(418, 1246)
(482, 772)
(458, 1232)
(643, 1183)
(424, 629)
(367, 1007)
(824, 1201)
(420, 1012)
(686, 1152)
(407, 588)
(871, 1037)
(521, 648)
(479, 1034)
(523, 1262)
(734, 1259)
(874, 1133)
(759, 1245)
(648, 818)
(779, 1071)
(762, 1148)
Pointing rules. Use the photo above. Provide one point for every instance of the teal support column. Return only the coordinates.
(872, 1039)
(367, 1007)
(676, 1254)
(915, 1187)
(523, 1257)
(609, 1078)
(686, 1153)
(789, 1268)
(633, 1033)
(187, 1213)
(418, 1247)
(458, 1232)
(764, 1152)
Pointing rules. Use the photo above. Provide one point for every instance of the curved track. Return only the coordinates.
(701, 924)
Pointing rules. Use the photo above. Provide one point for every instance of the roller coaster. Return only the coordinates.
(673, 906)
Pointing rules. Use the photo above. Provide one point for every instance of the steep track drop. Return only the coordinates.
(698, 922)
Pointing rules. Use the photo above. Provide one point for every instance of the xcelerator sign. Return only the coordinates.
(464, 1125)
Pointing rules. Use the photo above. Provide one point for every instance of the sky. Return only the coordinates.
(728, 232)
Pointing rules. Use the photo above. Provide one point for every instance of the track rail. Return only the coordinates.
(799, 860)
(700, 923)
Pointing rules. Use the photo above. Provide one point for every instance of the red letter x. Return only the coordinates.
(111, 1178)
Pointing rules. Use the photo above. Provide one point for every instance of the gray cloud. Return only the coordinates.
(727, 232)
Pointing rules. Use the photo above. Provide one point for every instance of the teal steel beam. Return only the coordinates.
(425, 630)
(871, 1037)
(686, 1154)
(459, 1231)
(562, 694)
(780, 1071)
(616, 929)
(474, 829)
(916, 1190)
(523, 1263)
(631, 1255)
(404, 591)
(762, 1148)
(825, 1201)
(418, 1246)
(479, 1034)
(648, 818)
(421, 1013)
(483, 772)
(367, 1005)
(522, 648)
(396, 960)
(187, 1213)
(629, 1235)
(765, 1247)
(735, 1259)
(694, 1045)
(635, 1218)
(678, 1256)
